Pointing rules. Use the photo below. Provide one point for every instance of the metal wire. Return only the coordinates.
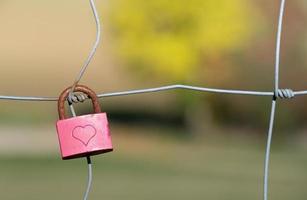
(159, 89)
(77, 97)
(268, 150)
(92, 52)
(89, 163)
(278, 42)
(89, 179)
(73, 98)
(286, 93)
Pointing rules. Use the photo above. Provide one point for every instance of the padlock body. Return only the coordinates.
(84, 136)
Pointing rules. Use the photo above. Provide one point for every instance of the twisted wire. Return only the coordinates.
(285, 94)
(77, 98)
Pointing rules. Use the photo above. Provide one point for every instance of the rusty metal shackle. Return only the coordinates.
(79, 88)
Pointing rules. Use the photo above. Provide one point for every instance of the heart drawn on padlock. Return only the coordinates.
(84, 134)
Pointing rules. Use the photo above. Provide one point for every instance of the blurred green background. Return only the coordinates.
(169, 145)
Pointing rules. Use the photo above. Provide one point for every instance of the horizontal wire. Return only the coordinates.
(27, 98)
(148, 90)
(186, 87)
(300, 93)
(157, 89)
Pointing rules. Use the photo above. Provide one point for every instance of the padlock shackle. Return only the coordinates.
(79, 88)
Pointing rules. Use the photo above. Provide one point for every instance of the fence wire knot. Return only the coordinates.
(285, 94)
(76, 98)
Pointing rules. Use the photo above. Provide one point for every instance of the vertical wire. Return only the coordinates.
(89, 163)
(72, 110)
(93, 51)
(82, 71)
(278, 42)
(268, 150)
(90, 178)
(273, 109)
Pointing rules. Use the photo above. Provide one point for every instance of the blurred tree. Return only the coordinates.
(169, 39)
(181, 41)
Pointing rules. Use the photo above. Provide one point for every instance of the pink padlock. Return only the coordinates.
(85, 135)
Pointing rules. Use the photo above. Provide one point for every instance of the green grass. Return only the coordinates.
(159, 170)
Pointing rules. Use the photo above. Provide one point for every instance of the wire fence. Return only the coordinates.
(276, 94)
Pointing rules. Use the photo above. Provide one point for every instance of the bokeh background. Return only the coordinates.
(169, 145)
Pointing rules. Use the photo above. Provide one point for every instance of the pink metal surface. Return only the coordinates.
(84, 136)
